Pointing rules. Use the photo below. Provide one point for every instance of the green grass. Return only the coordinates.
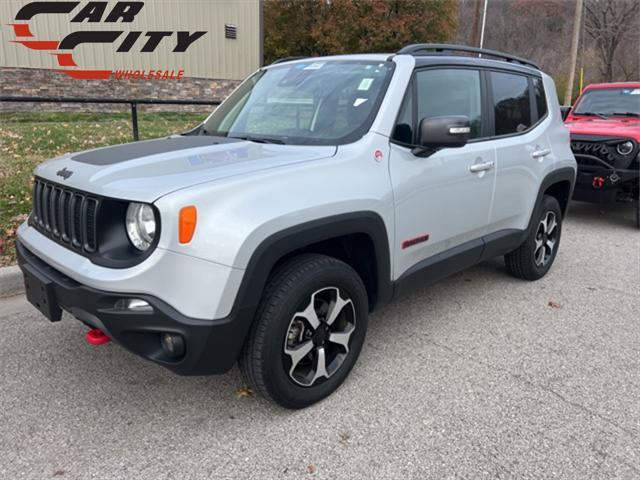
(26, 139)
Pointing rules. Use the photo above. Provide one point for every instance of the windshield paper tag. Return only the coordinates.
(635, 91)
(365, 84)
(314, 66)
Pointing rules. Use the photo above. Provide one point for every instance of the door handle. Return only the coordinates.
(481, 167)
(541, 153)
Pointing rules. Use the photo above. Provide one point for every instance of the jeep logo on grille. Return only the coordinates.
(64, 173)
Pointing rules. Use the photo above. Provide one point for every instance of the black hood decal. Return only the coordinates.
(131, 151)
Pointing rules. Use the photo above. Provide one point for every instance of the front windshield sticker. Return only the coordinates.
(365, 84)
(314, 66)
(635, 91)
(359, 101)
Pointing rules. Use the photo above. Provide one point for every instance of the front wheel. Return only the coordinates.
(308, 331)
(533, 259)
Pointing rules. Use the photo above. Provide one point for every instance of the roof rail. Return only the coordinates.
(440, 48)
(286, 59)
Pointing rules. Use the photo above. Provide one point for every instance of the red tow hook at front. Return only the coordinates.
(96, 337)
(598, 182)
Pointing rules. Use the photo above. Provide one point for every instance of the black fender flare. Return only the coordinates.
(565, 174)
(275, 247)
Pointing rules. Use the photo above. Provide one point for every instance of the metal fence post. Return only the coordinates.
(134, 121)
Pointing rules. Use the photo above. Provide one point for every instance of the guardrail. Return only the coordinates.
(133, 103)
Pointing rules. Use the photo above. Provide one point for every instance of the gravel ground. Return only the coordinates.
(476, 377)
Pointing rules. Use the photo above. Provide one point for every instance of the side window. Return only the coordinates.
(541, 99)
(512, 109)
(452, 91)
(403, 131)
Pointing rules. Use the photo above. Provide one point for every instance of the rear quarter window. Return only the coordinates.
(541, 98)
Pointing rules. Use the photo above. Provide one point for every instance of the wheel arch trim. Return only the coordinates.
(273, 248)
(565, 174)
(276, 246)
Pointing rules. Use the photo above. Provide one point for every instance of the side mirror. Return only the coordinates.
(436, 133)
(564, 111)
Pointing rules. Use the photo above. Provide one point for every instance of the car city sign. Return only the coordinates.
(94, 13)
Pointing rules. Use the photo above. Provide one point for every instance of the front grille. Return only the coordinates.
(590, 152)
(65, 215)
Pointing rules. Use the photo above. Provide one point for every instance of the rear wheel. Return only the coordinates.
(308, 331)
(533, 259)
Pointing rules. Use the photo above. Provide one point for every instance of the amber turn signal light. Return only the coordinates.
(187, 226)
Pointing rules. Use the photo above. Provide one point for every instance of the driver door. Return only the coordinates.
(442, 202)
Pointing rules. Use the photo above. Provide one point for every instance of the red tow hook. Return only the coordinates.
(96, 337)
(598, 182)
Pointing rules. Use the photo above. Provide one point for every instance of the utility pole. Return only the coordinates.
(484, 23)
(577, 18)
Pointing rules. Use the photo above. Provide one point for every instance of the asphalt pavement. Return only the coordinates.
(479, 376)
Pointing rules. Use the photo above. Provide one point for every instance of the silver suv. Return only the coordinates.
(319, 190)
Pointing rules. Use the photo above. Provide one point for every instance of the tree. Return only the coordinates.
(287, 27)
(611, 24)
(474, 38)
(325, 27)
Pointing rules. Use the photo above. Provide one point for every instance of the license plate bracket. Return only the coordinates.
(40, 293)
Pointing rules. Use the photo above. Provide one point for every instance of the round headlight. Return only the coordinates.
(625, 148)
(141, 225)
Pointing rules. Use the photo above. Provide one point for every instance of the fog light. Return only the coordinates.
(133, 305)
(172, 344)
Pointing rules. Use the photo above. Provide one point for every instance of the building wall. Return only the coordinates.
(211, 56)
(38, 82)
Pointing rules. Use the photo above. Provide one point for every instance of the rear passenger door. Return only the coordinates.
(523, 153)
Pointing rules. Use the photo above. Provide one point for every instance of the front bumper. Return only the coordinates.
(212, 346)
(603, 176)
(195, 287)
(601, 185)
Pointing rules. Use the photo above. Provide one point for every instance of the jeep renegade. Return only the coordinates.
(319, 190)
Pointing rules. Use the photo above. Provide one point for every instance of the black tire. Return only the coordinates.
(524, 262)
(638, 214)
(302, 281)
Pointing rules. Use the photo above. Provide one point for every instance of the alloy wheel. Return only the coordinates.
(546, 239)
(317, 340)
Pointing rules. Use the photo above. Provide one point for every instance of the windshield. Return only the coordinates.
(610, 101)
(319, 102)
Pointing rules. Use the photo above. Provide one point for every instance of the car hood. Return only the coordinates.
(611, 127)
(147, 170)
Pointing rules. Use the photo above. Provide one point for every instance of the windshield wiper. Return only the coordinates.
(627, 114)
(204, 131)
(251, 138)
(594, 114)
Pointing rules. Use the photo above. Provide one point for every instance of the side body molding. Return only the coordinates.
(495, 244)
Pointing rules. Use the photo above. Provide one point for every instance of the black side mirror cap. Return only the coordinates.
(436, 133)
(564, 111)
